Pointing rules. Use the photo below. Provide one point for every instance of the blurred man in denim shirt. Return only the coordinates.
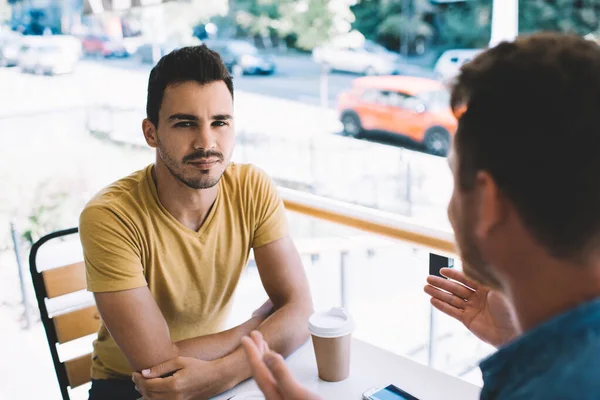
(526, 214)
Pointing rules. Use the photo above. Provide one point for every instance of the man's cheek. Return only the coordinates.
(452, 211)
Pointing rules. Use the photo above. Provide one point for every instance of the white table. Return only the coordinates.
(371, 366)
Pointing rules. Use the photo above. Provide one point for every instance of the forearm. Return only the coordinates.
(218, 345)
(285, 331)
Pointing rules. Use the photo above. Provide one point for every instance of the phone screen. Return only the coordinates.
(391, 392)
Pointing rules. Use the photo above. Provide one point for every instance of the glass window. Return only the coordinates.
(298, 114)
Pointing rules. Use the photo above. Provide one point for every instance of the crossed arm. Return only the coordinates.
(205, 366)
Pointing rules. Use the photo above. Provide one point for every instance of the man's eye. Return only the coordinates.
(219, 123)
(185, 124)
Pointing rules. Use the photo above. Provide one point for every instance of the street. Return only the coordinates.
(297, 78)
(124, 80)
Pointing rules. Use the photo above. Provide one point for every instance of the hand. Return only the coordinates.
(264, 311)
(483, 311)
(270, 372)
(191, 379)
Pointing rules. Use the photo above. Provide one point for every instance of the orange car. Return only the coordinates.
(417, 108)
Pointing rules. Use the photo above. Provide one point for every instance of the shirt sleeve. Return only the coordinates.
(269, 211)
(112, 255)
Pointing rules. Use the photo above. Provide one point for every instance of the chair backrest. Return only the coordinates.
(59, 279)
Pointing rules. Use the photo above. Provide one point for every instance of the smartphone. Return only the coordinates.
(390, 392)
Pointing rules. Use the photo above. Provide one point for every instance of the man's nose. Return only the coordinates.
(205, 138)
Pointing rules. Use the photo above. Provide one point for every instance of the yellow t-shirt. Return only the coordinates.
(130, 240)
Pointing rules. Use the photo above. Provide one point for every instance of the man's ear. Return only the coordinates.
(491, 206)
(149, 130)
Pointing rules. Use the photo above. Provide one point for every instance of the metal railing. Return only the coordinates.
(439, 243)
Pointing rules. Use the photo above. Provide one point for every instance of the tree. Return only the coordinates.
(311, 21)
(400, 29)
(368, 17)
(258, 17)
(580, 17)
(465, 25)
(391, 21)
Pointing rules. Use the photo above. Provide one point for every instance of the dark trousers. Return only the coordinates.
(113, 389)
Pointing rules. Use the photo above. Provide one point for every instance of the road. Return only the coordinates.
(297, 78)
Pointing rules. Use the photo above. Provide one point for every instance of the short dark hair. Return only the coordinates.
(532, 121)
(188, 64)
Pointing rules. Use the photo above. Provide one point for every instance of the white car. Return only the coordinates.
(448, 65)
(368, 58)
(49, 57)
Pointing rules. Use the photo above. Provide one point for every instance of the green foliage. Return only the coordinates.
(396, 25)
(258, 17)
(368, 17)
(308, 22)
(388, 21)
(466, 25)
(559, 15)
(312, 24)
(463, 24)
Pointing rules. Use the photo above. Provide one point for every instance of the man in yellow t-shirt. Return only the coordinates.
(165, 247)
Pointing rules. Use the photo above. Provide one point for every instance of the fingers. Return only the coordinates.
(151, 388)
(459, 276)
(263, 377)
(452, 287)
(262, 346)
(447, 309)
(138, 380)
(289, 387)
(253, 351)
(165, 368)
(444, 297)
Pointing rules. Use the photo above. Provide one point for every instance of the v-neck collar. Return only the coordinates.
(167, 214)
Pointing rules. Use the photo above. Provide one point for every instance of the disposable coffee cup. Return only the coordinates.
(331, 336)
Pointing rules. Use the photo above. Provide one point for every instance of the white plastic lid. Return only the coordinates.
(331, 324)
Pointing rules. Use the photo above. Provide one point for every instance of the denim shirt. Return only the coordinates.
(559, 359)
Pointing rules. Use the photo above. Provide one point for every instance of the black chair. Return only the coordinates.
(58, 284)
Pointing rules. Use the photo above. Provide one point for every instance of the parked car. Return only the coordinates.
(145, 52)
(417, 108)
(47, 56)
(369, 58)
(10, 44)
(103, 46)
(449, 63)
(243, 58)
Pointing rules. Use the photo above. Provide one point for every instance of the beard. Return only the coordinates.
(198, 179)
(474, 264)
